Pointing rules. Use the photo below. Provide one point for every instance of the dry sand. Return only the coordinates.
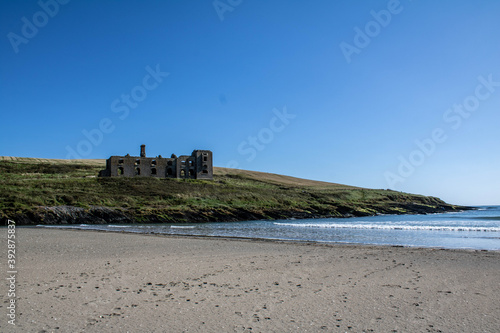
(81, 281)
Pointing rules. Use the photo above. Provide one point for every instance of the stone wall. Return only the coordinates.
(197, 166)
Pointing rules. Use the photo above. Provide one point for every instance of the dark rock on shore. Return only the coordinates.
(104, 215)
(72, 215)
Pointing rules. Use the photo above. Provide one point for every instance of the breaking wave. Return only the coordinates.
(388, 227)
(63, 226)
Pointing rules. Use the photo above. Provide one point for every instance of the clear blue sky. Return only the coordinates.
(337, 91)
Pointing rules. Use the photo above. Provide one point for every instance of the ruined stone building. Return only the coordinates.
(197, 166)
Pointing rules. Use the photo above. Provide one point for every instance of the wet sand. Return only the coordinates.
(84, 281)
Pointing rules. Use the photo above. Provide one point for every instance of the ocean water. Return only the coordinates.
(476, 229)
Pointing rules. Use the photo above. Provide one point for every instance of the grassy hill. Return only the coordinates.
(34, 191)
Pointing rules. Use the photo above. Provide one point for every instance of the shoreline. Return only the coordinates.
(118, 281)
(257, 239)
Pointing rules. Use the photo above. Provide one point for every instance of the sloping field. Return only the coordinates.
(100, 162)
(265, 177)
(282, 180)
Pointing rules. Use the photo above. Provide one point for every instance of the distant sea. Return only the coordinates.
(475, 229)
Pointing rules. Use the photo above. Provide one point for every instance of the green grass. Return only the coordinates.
(233, 194)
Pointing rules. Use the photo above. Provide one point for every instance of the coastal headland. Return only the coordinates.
(47, 191)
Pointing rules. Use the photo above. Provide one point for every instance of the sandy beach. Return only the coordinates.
(84, 281)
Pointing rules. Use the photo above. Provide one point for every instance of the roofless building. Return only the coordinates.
(197, 166)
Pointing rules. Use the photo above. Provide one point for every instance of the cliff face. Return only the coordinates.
(62, 192)
(104, 215)
(72, 215)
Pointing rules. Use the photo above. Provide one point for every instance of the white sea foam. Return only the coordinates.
(182, 227)
(63, 226)
(388, 227)
(119, 226)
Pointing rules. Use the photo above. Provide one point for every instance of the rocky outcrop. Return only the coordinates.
(72, 215)
(105, 215)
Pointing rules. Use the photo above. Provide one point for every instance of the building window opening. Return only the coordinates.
(170, 172)
(190, 164)
(137, 171)
(153, 162)
(191, 172)
(120, 161)
(205, 158)
(169, 163)
(205, 171)
(137, 162)
(183, 173)
(153, 171)
(120, 171)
